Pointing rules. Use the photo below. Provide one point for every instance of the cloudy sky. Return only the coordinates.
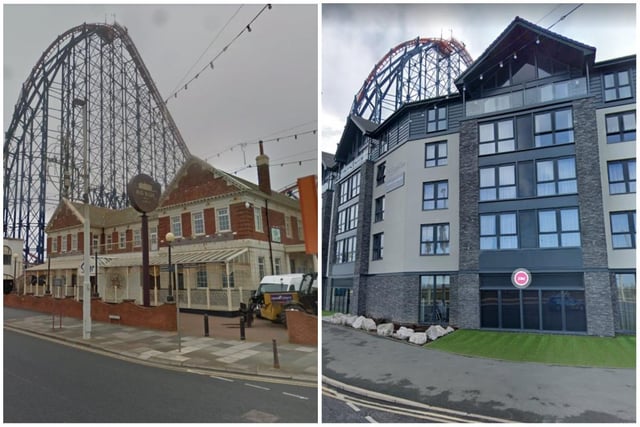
(264, 86)
(356, 37)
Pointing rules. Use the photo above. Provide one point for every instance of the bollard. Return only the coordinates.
(242, 337)
(249, 318)
(206, 325)
(276, 362)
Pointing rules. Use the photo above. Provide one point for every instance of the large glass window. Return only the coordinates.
(617, 86)
(496, 137)
(626, 291)
(350, 188)
(498, 231)
(435, 195)
(435, 154)
(622, 176)
(498, 183)
(489, 315)
(434, 299)
(346, 250)
(621, 127)
(378, 246)
(530, 309)
(558, 228)
(380, 174)
(379, 209)
(434, 239)
(436, 119)
(348, 218)
(556, 177)
(623, 230)
(553, 128)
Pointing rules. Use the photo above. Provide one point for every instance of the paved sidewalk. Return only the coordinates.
(218, 354)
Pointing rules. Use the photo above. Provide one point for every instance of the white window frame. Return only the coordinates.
(257, 219)
(74, 242)
(176, 226)
(122, 239)
(137, 238)
(54, 244)
(287, 225)
(220, 215)
(64, 243)
(195, 220)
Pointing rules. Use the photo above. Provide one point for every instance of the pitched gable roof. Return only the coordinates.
(522, 34)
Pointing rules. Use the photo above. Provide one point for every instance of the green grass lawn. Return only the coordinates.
(327, 313)
(618, 352)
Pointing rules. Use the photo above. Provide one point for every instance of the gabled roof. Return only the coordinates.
(355, 125)
(98, 217)
(328, 160)
(241, 184)
(519, 35)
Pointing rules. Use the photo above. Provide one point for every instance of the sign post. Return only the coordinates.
(144, 195)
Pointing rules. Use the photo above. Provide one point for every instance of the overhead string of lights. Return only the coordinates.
(272, 165)
(537, 41)
(210, 65)
(243, 145)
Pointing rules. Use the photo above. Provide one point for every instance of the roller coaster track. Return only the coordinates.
(129, 131)
(414, 70)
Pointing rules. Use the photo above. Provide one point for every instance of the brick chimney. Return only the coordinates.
(264, 179)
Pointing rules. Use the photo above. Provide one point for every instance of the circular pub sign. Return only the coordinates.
(144, 193)
(521, 278)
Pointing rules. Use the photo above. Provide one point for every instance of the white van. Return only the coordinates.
(280, 283)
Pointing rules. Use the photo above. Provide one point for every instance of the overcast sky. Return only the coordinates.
(265, 85)
(356, 37)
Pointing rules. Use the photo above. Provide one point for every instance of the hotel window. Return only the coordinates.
(498, 231)
(122, 239)
(379, 209)
(498, 183)
(436, 119)
(74, 242)
(348, 219)
(434, 239)
(622, 176)
(435, 195)
(626, 287)
(350, 188)
(380, 175)
(176, 225)
(201, 277)
(556, 177)
(137, 238)
(223, 219)
(558, 228)
(623, 230)
(497, 137)
(435, 154)
(257, 219)
(553, 128)
(617, 86)
(621, 127)
(378, 245)
(198, 222)
(277, 266)
(346, 250)
(434, 298)
(54, 244)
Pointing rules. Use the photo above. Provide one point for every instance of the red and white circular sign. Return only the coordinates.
(521, 278)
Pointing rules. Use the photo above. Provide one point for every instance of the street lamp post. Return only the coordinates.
(169, 238)
(86, 296)
(15, 269)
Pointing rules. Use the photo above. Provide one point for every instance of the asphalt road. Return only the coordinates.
(518, 392)
(49, 382)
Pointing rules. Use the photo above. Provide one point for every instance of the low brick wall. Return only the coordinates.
(302, 328)
(162, 317)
